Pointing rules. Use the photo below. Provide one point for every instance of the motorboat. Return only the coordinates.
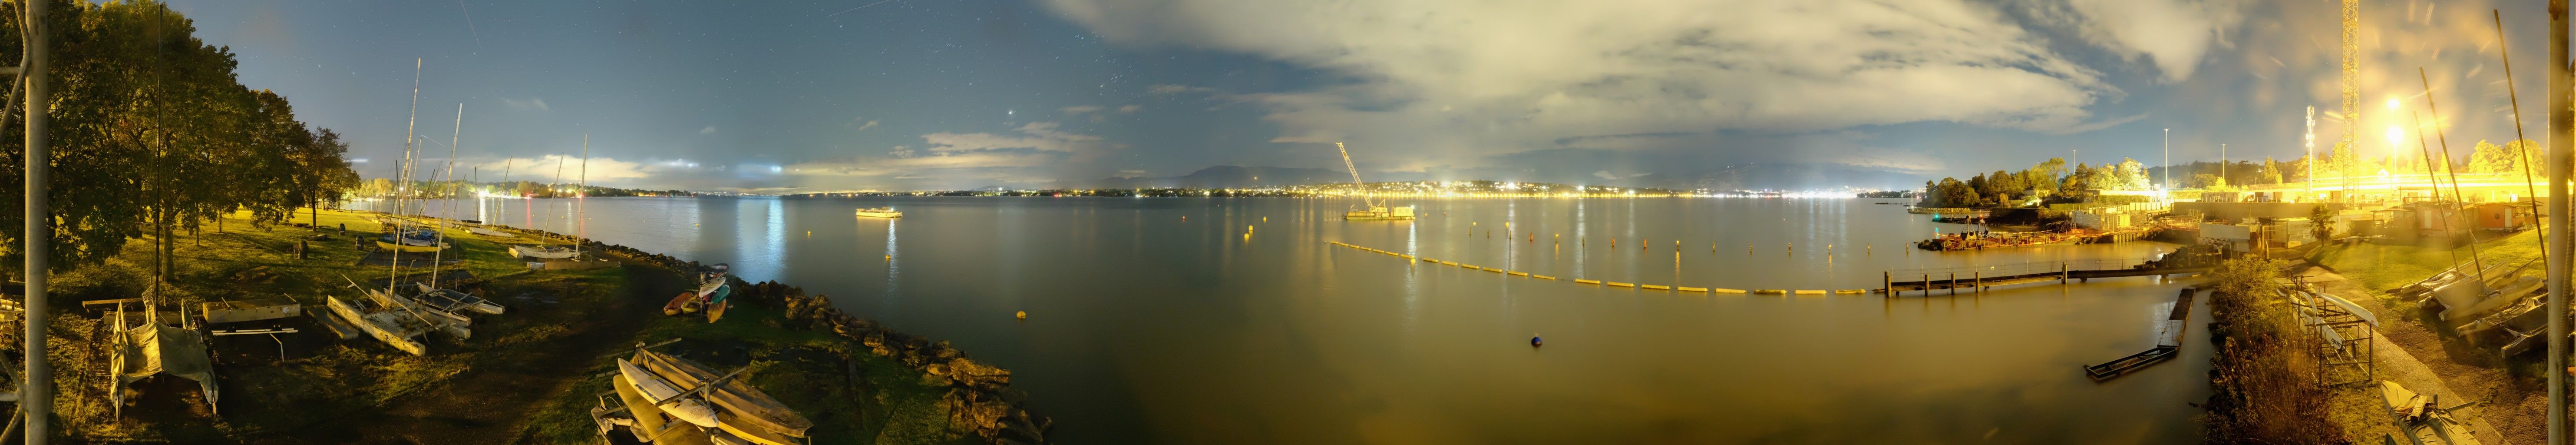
(880, 212)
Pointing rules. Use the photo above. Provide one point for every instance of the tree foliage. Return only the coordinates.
(151, 128)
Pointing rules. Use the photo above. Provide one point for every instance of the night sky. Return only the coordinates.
(806, 96)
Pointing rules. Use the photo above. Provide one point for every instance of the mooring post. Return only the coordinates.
(1954, 283)
(1980, 276)
(1887, 283)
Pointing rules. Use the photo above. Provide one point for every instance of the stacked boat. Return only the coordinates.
(709, 297)
(414, 240)
(402, 319)
(542, 252)
(2423, 417)
(663, 398)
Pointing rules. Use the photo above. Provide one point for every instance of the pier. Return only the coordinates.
(1978, 278)
(2168, 342)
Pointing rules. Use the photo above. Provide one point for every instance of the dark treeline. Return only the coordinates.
(151, 132)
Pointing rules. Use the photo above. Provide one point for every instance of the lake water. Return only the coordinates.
(1157, 320)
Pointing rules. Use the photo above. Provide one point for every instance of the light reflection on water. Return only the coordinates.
(1144, 328)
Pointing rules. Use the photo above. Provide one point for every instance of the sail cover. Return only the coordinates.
(154, 348)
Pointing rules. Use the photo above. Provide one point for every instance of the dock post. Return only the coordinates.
(1887, 282)
(1954, 283)
(2061, 273)
(1980, 276)
(1927, 284)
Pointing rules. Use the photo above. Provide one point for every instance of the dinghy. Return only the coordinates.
(659, 391)
(542, 252)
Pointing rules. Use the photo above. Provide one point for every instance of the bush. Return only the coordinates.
(2266, 382)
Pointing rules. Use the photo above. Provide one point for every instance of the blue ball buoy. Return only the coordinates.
(1535, 342)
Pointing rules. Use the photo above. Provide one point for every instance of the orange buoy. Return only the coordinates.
(1023, 315)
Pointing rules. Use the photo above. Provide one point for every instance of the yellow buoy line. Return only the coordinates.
(1713, 290)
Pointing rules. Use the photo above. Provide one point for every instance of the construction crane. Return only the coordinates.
(1369, 209)
(1365, 199)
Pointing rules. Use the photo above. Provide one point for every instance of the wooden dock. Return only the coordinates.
(1978, 278)
(2168, 343)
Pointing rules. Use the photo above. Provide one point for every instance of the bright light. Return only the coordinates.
(2392, 103)
(2395, 136)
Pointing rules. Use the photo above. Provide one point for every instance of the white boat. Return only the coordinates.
(490, 232)
(880, 212)
(2423, 418)
(657, 390)
(385, 324)
(542, 252)
(450, 323)
(454, 302)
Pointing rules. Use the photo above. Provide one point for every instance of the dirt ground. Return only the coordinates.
(2418, 358)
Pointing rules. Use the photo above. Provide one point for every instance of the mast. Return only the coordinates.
(1365, 200)
(581, 202)
(447, 207)
(403, 178)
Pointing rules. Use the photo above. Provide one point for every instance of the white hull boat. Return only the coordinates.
(689, 409)
(880, 212)
(542, 252)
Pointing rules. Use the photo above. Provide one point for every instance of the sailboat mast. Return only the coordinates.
(393, 268)
(446, 207)
(581, 202)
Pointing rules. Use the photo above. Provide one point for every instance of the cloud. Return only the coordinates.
(1079, 109)
(2171, 34)
(1129, 109)
(534, 103)
(711, 129)
(863, 123)
(1658, 65)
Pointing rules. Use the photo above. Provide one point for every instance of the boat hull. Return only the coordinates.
(541, 253)
(410, 248)
(350, 313)
(881, 214)
(657, 390)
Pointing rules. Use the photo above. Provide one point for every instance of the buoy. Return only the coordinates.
(1535, 342)
(889, 257)
(1023, 315)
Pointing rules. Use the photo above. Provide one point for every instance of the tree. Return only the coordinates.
(2132, 176)
(2271, 171)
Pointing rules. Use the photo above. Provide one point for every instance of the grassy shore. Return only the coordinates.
(527, 376)
(2380, 267)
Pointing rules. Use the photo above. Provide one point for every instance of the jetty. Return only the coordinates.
(1978, 278)
(2168, 343)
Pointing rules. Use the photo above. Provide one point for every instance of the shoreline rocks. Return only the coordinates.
(980, 400)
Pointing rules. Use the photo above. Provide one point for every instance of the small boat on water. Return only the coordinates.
(688, 408)
(386, 324)
(542, 252)
(880, 212)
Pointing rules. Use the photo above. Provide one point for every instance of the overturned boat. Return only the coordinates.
(543, 252)
(2423, 418)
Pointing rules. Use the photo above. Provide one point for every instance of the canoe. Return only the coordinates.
(685, 303)
(655, 389)
(715, 311)
(750, 414)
